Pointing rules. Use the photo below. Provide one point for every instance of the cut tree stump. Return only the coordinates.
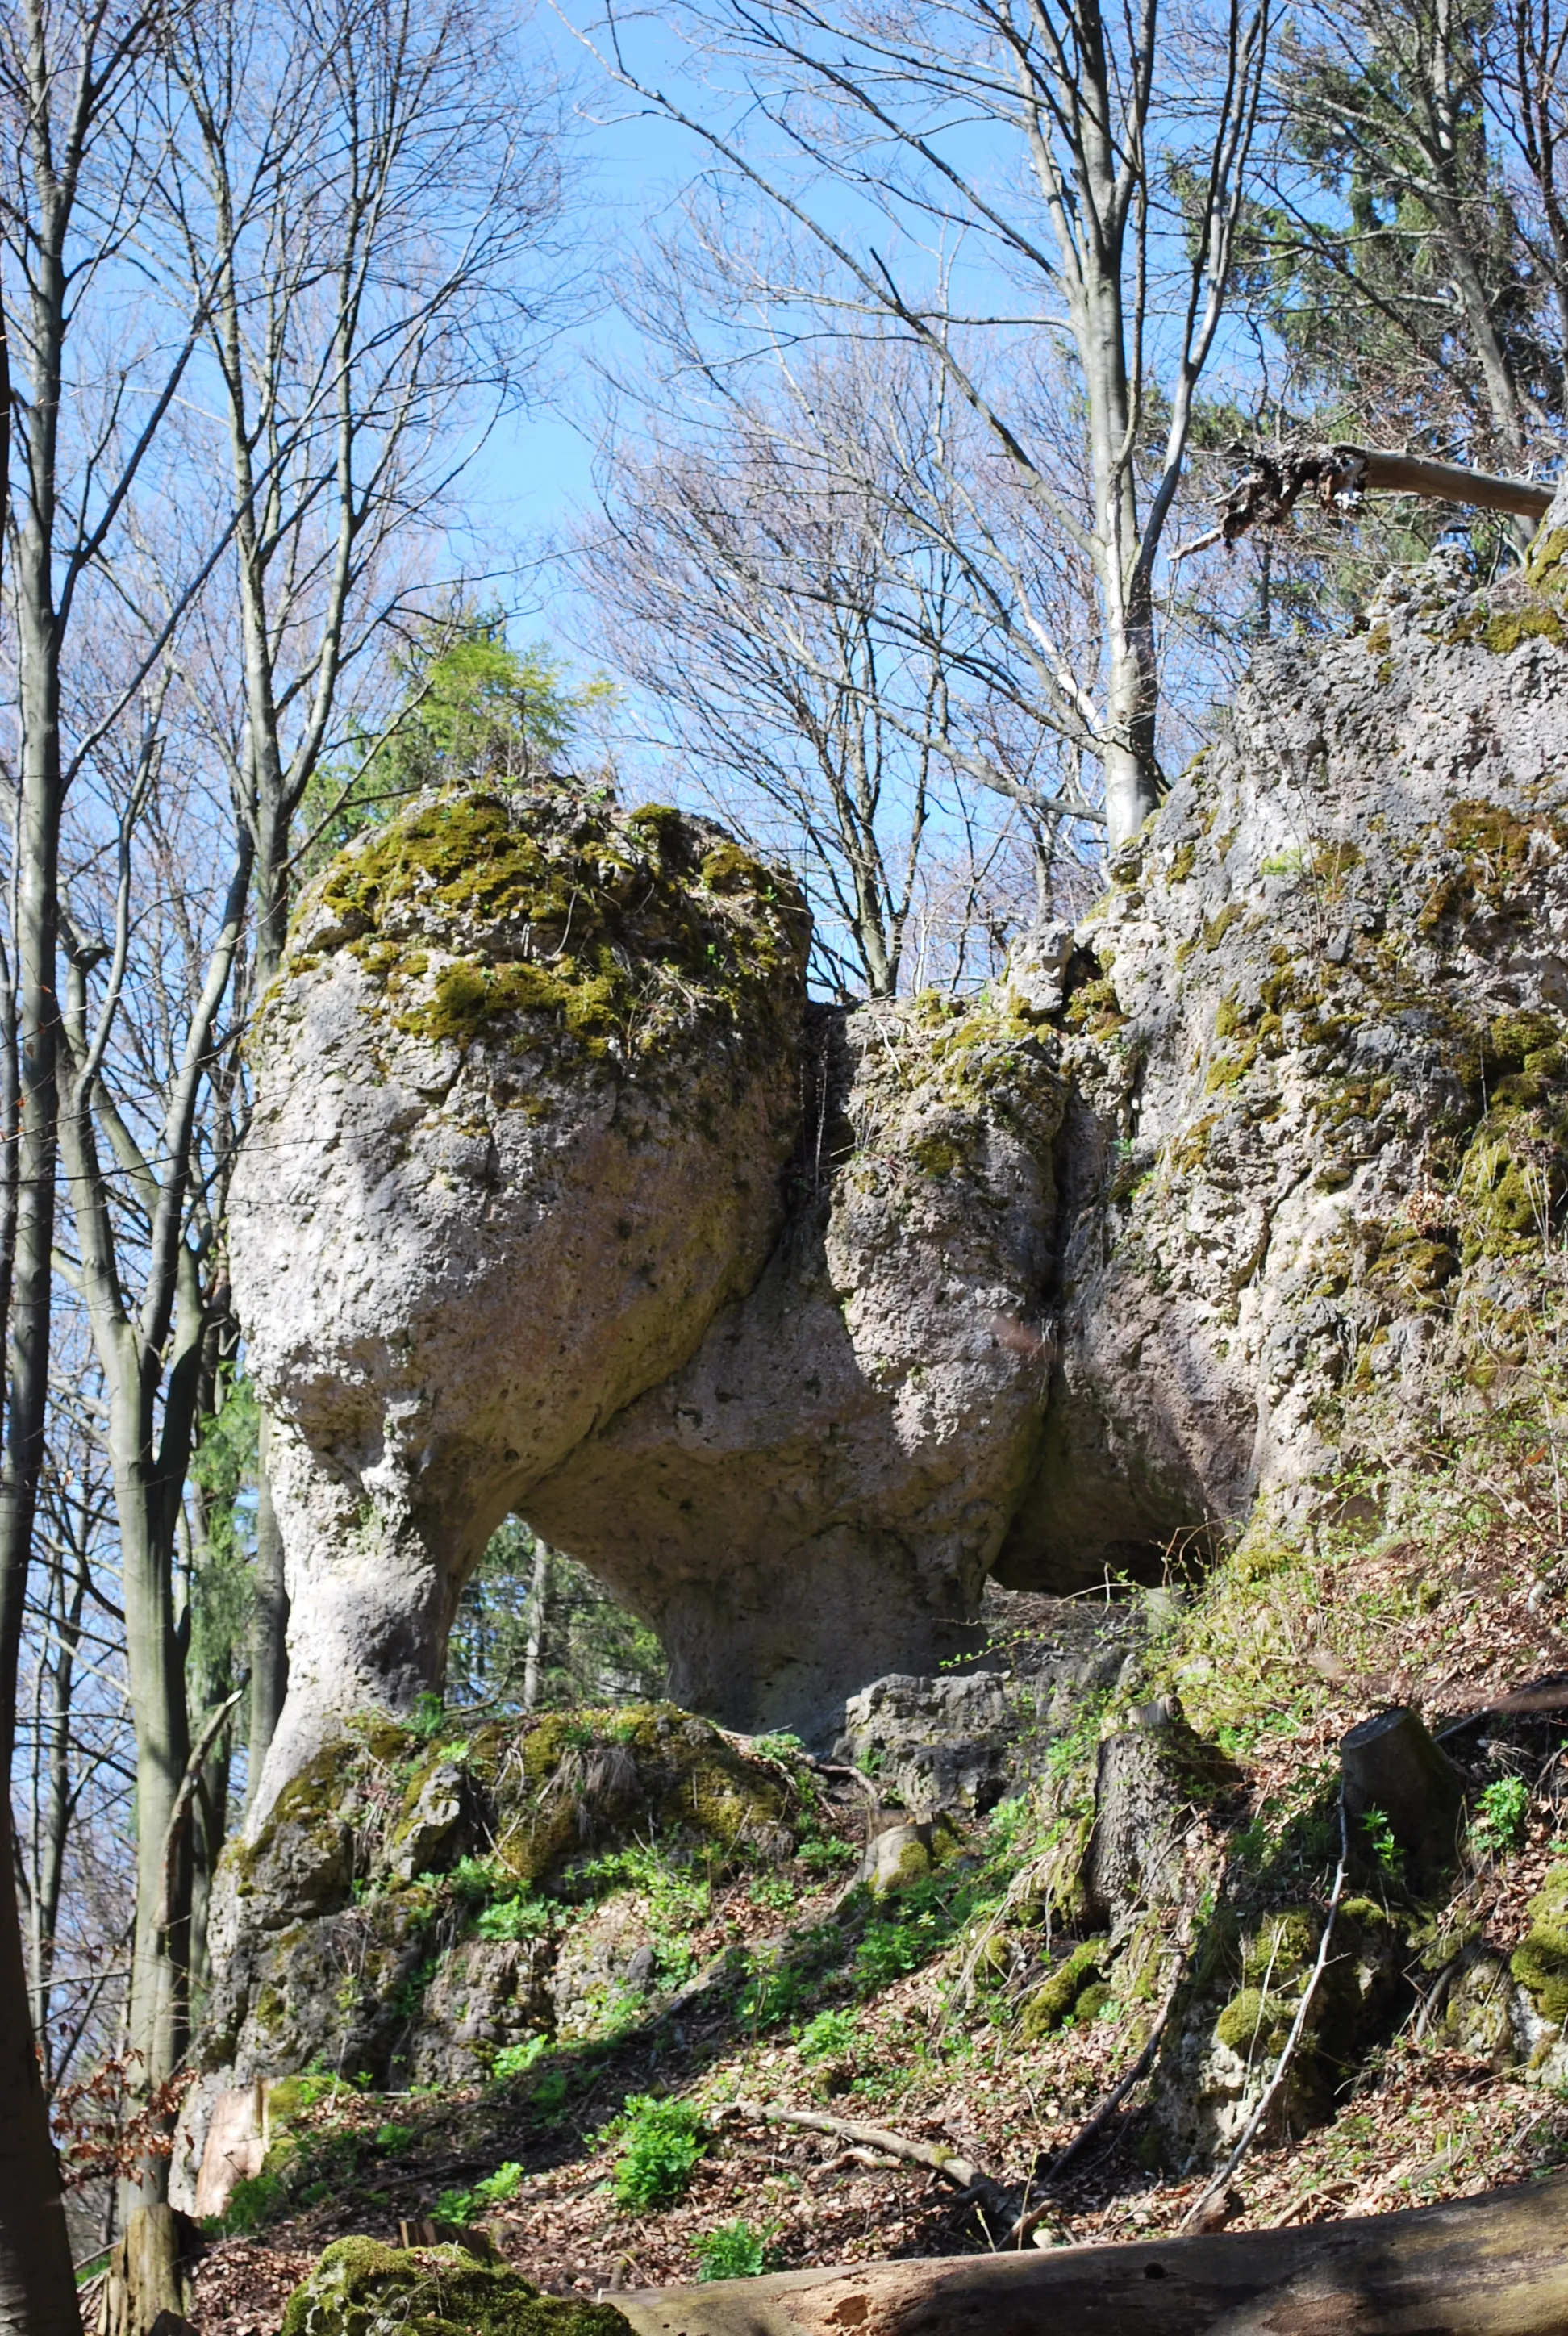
(1495, 2265)
(1390, 1763)
(147, 2282)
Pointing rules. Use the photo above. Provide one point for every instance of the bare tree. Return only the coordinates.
(68, 202)
(381, 185)
(747, 586)
(1136, 154)
(140, 1277)
(1528, 83)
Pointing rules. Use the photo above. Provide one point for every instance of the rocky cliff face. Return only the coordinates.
(1317, 1071)
(793, 1325)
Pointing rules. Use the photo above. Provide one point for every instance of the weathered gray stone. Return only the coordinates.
(1056, 1282)
(815, 1498)
(934, 1743)
(1302, 1093)
(524, 1095)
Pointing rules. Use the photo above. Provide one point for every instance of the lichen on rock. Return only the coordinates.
(525, 1093)
(422, 1972)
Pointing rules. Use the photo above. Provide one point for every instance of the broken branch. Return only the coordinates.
(930, 2154)
(1336, 477)
(1027, 2224)
(168, 1860)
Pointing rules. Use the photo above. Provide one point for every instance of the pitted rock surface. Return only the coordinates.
(524, 1097)
(1316, 1060)
(794, 1324)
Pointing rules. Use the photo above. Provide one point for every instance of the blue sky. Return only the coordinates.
(535, 474)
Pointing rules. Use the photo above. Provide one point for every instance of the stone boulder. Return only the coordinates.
(525, 1091)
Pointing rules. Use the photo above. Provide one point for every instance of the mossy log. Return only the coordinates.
(1390, 1763)
(1495, 2265)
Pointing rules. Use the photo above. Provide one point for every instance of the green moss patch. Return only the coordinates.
(1502, 630)
(498, 911)
(1051, 2006)
(361, 2287)
(1494, 847)
(1539, 1962)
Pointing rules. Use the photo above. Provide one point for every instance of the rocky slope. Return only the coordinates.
(624, 1926)
(1220, 1250)
(793, 1325)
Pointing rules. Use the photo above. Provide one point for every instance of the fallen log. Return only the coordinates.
(1493, 2265)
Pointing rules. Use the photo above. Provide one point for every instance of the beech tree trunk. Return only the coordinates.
(1495, 2265)
(37, 2287)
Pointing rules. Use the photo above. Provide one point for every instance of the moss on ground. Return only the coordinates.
(360, 2287)
(1254, 2025)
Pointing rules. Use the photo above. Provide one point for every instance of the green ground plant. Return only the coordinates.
(1378, 1835)
(516, 2059)
(466, 2205)
(828, 2036)
(658, 2144)
(1502, 1809)
(734, 2251)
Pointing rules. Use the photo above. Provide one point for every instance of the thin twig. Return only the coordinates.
(182, 1800)
(931, 2156)
(1266, 2100)
(1027, 2224)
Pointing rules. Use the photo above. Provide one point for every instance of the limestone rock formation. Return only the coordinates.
(814, 1501)
(793, 1324)
(328, 1948)
(524, 1097)
(1315, 1045)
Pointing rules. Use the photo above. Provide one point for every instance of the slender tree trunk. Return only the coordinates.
(155, 1662)
(56, 1812)
(538, 1600)
(37, 2286)
(209, 1833)
(38, 914)
(150, 1459)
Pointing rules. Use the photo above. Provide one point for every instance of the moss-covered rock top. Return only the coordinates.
(456, 1871)
(361, 2287)
(543, 910)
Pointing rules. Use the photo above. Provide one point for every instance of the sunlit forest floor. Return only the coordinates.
(810, 1994)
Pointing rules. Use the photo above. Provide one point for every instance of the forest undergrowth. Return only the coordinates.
(633, 2154)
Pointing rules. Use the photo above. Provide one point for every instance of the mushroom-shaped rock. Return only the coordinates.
(525, 1090)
